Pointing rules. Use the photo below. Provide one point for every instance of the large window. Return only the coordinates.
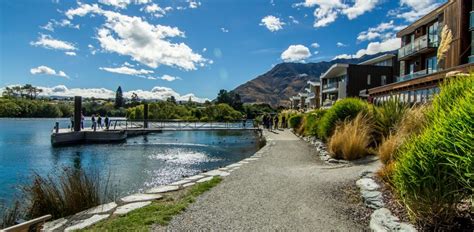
(432, 64)
(433, 34)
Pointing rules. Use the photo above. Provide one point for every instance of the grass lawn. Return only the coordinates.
(159, 212)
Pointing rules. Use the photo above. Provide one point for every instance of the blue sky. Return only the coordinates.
(184, 48)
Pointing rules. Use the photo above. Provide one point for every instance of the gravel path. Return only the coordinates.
(289, 188)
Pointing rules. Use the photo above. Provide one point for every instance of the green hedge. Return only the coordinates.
(295, 121)
(435, 169)
(341, 110)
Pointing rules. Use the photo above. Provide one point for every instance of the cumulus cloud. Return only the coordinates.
(272, 23)
(293, 20)
(49, 42)
(146, 43)
(156, 10)
(411, 10)
(384, 30)
(315, 45)
(45, 70)
(327, 11)
(127, 70)
(339, 44)
(122, 4)
(156, 93)
(54, 23)
(70, 53)
(223, 29)
(295, 53)
(374, 48)
(169, 78)
(194, 4)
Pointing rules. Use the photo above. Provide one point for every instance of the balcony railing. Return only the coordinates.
(330, 85)
(416, 46)
(413, 75)
(471, 24)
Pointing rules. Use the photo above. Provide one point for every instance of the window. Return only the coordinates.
(368, 79)
(432, 64)
(433, 34)
(384, 80)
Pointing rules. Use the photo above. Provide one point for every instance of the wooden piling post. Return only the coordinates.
(77, 113)
(145, 115)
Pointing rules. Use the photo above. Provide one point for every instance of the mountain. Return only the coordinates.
(287, 79)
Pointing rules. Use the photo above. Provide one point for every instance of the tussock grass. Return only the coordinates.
(388, 116)
(295, 121)
(159, 212)
(10, 215)
(351, 138)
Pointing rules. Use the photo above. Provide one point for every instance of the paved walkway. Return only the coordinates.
(289, 188)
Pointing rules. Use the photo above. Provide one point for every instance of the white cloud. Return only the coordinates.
(169, 78)
(411, 10)
(359, 8)
(374, 48)
(54, 23)
(315, 45)
(70, 53)
(204, 49)
(272, 23)
(339, 44)
(156, 93)
(126, 70)
(316, 52)
(194, 4)
(295, 53)
(383, 30)
(45, 70)
(146, 43)
(327, 11)
(48, 42)
(156, 10)
(224, 30)
(293, 20)
(122, 4)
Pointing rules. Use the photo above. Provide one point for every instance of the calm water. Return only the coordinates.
(141, 162)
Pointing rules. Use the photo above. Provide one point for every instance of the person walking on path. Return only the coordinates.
(106, 121)
(276, 122)
(72, 123)
(283, 121)
(93, 122)
(82, 121)
(99, 121)
(270, 123)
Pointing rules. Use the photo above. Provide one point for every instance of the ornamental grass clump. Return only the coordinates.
(351, 138)
(387, 116)
(347, 108)
(295, 121)
(435, 170)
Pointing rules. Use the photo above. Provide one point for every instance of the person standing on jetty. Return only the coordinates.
(106, 121)
(82, 121)
(99, 121)
(72, 123)
(93, 122)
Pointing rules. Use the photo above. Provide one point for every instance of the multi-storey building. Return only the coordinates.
(313, 90)
(420, 70)
(354, 80)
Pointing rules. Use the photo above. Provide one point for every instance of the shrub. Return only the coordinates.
(73, 191)
(11, 215)
(310, 127)
(387, 116)
(347, 108)
(435, 169)
(295, 121)
(351, 138)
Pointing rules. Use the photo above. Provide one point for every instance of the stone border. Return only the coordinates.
(381, 219)
(135, 201)
(322, 149)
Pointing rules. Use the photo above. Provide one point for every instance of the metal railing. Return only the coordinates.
(471, 21)
(416, 46)
(124, 124)
(412, 75)
(330, 85)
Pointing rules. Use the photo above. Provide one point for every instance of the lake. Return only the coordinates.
(137, 164)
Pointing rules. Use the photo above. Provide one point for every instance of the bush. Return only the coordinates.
(351, 138)
(347, 108)
(387, 116)
(435, 169)
(311, 122)
(295, 121)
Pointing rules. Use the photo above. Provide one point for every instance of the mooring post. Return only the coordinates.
(77, 113)
(145, 115)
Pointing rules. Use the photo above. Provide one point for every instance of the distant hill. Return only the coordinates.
(286, 80)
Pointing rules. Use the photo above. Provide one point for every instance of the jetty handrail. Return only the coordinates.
(27, 226)
(180, 124)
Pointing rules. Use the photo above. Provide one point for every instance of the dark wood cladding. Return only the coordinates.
(418, 83)
(357, 78)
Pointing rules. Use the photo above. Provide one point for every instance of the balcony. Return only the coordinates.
(413, 75)
(331, 87)
(471, 24)
(418, 45)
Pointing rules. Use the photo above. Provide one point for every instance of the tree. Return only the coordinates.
(119, 98)
(135, 98)
(230, 98)
(171, 99)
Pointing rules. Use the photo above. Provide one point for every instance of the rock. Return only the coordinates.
(251, 159)
(205, 179)
(234, 165)
(216, 173)
(366, 174)
(243, 162)
(124, 209)
(382, 220)
(332, 161)
(188, 184)
(163, 189)
(100, 209)
(141, 197)
(373, 199)
(87, 222)
(54, 225)
(367, 184)
(181, 182)
(196, 177)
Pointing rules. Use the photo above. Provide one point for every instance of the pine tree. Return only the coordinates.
(119, 97)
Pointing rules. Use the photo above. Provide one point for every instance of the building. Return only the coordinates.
(313, 90)
(354, 80)
(420, 71)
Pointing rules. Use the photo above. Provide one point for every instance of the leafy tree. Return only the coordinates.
(230, 98)
(171, 99)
